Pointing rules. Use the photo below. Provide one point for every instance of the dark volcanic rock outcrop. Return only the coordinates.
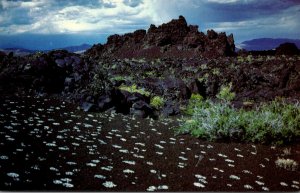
(167, 63)
(173, 39)
(287, 49)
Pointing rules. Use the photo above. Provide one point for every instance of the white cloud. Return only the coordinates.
(9, 4)
(32, 4)
(121, 16)
(75, 18)
(81, 19)
(230, 1)
(223, 1)
(282, 25)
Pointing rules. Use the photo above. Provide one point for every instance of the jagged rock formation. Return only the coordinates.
(173, 39)
(171, 62)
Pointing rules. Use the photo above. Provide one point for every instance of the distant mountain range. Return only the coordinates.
(254, 44)
(266, 43)
(18, 51)
(22, 51)
(80, 48)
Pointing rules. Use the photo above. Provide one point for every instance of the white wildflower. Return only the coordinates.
(68, 185)
(99, 176)
(13, 175)
(182, 158)
(197, 184)
(108, 168)
(163, 187)
(57, 182)
(109, 184)
(151, 188)
(234, 177)
(158, 146)
(129, 162)
(128, 171)
(259, 183)
(265, 188)
(222, 155)
(247, 186)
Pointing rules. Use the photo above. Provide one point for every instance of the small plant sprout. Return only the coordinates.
(287, 151)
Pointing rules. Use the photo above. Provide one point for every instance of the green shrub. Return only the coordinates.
(194, 101)
(204, 78)
(275, 122)
(150, 74)
(196, 97)
(157, 102)
(133, 88)
(99, 82)
(216, 71)
(225, 93)
(117, 78)
(120, 78)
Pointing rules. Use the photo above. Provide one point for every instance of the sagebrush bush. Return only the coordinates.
(273, 122)
(99, 81)
(194, 101)
(225, 93)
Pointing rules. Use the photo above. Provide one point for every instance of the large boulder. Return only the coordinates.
(141, 109)
(170, 108)
(60, 63)
(198, 87)
(120, 101)
(134, 97)
(175, 88)
(89, 107)
(2, 55)
(105, 102)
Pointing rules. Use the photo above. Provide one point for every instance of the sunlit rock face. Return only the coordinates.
(173, 39)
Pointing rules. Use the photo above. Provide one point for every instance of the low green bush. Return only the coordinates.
(157, 102)
(193, 102)
(275, 122)
(225, 93)
(99, 82)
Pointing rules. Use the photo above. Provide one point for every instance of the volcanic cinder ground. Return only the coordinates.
(46, 144)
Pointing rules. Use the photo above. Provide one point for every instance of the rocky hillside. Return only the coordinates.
(153, 73)
(262, 44)
(173, 39)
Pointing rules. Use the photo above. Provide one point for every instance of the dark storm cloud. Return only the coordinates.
(132, 3)
(233, 11)
(246, 19)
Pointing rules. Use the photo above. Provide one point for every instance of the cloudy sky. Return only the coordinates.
(47, 24)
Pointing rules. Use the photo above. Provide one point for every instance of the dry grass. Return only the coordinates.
(287, 164)
(287, 151)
